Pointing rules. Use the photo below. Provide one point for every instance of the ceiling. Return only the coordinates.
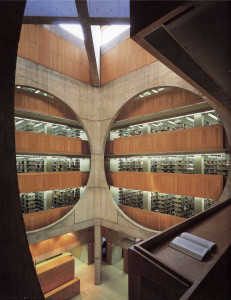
(191, 38)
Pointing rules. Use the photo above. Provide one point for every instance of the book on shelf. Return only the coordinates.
(192, 245)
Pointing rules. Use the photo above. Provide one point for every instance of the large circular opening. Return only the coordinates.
(52, 156)
(166, 157)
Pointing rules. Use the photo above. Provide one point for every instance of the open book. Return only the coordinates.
(192, 245)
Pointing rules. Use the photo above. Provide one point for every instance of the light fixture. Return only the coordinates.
(18, 87)
(171, 122)
(155, 91)
(212, 116)
(36, 92)
(190, 119)
(19, 122)
(38, 124)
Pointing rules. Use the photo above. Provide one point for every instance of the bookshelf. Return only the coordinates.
(131, 198)
(45, 200)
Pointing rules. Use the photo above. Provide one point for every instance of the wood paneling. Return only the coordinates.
(65, 291)
(125, 58)
(150, 219)
(165, 100)
(45, 143)
(125, 257)
(55, 273)
(35, 182)
(41, 46)
(40, 104)
(41, 219)
(198, 138)
(194, 185)
(156, 266)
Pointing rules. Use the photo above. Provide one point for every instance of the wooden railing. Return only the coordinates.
(150, 219)
(45, 181)
(45, 143)
(192, 139)
(194, 185)
(44, 218)
(165, 100)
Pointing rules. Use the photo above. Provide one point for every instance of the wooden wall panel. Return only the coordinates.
(35, 182)
(41, 104)
(198, 138)
(41, 219)
(150, 219)
(44, 47)
(194, 185)
(46, 143)
(165, 100)
(41, 46)
(123, 59)
(55, 273)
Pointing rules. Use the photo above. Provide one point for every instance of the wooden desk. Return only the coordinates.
(157, 271)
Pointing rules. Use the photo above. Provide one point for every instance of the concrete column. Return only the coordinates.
(198, 205)
(198, 120)
(114, 253)
(114, 164)
(48, 164)
(146, 200)
(47, 200)
(85, 164)
(48, 129)
(147, 164)
(98, 253)
(198, 164)
(146, 129)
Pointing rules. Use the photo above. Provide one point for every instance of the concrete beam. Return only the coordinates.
(48, 20)
(92, 40)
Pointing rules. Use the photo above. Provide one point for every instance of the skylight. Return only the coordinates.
(110, 32)
(73, 29)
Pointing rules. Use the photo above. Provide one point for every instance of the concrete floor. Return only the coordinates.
(114, 283)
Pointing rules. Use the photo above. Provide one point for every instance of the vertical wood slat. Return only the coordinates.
(193, 185)
(36, 182)
(150, 219)
(123, 59)
(45, 143)
(41, 46)
(198, 138)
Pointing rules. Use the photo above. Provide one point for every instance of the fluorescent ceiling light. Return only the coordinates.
(110, 32)
(212, 116)
(171, 122)
(38, 124)
(190, 119)
(74, 29)
(19, 122)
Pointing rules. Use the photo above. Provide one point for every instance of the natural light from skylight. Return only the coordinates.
(110, 32)
(74, 29)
